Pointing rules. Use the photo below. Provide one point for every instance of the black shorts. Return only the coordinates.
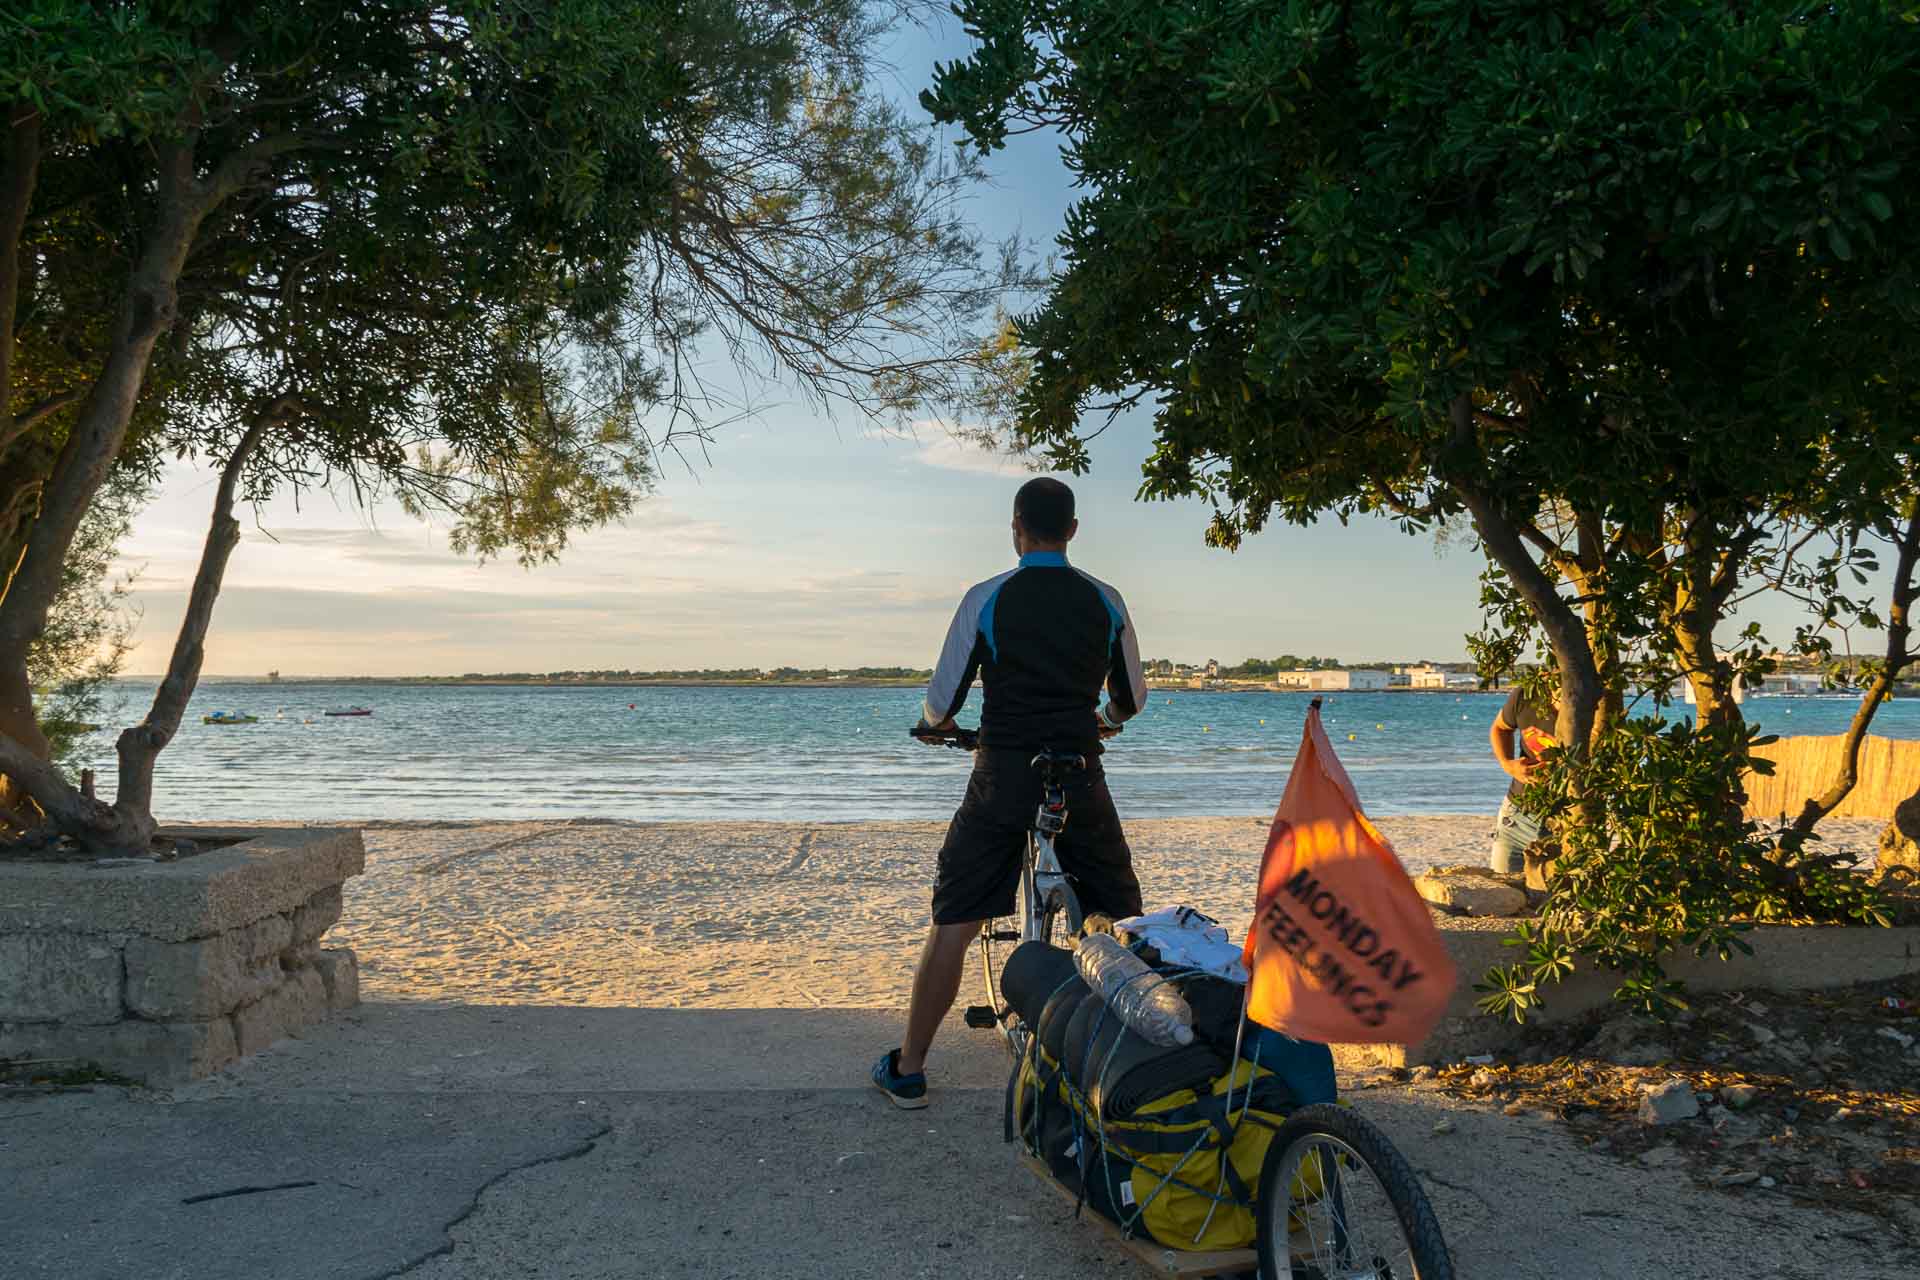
(979, 875)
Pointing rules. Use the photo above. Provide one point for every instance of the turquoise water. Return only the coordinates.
(796, 753)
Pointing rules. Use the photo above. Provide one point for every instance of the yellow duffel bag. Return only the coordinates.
(1183, 1169)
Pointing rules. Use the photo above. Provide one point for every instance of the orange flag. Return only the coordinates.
(1342, 949)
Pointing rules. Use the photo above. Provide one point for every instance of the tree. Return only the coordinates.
(1876, 677)
(1371, 259)
(1625, 285)
(463, 253)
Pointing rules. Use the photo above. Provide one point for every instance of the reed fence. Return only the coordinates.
(1804, 767)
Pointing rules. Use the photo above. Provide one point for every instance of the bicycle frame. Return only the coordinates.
(1042, 872)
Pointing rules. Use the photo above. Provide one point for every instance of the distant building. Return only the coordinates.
(1790, 682)
(1352, 680)
(1681, 691)
(1428, 676)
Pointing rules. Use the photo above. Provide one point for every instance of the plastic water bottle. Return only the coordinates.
(1150, 1005)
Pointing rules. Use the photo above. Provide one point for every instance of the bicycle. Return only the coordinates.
(1047, 900)
(1337, 1200)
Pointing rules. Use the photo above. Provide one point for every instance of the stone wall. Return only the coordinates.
(166, 971)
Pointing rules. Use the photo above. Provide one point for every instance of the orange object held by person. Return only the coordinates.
(1342, 948)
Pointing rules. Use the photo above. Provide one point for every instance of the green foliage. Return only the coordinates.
(506, 235)
(1310, 228)
(1285, 662)
(1669, 865)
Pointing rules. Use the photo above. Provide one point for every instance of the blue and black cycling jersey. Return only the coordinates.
(1044, 638)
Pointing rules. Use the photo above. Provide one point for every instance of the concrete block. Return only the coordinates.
(1785, 958)
(300, 999)
(273, 872)
(316, 915)
(49, 976)
(339, 969)
(208, 977)
(1475, 890)
(156, 1053)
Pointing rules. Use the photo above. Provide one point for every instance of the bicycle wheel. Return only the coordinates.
(1338, 1202)
(1056, 921)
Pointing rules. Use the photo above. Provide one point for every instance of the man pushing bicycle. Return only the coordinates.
(1045, 639)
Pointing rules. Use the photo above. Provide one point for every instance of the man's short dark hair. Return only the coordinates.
(1044, 508)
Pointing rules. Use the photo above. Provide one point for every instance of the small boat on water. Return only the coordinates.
(352, 711)
(229, 717)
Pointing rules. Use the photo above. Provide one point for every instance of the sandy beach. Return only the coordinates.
(741, 915)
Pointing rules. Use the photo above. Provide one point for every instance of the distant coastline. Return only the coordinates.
(502, 682)
(916, 680)
(687, 682)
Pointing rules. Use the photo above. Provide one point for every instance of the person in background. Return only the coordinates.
(1045, 638)
(1521, 735)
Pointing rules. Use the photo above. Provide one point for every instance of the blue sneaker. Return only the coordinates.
(909, 1093)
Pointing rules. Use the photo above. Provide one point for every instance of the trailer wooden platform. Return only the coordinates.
(1164, 1261)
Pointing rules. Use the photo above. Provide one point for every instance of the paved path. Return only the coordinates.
(475, 1141)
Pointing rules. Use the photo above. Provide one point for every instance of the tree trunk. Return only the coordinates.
(1695, 605)
(1580, 688)
(19, 175)
(20, 724)
(1899, 656)
(140, 746)
(127, 825)
(1612, 707)
(101, 428)
(79, 471)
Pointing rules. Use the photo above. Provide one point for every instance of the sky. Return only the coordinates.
(800, 538)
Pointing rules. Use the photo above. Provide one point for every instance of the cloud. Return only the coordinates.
(359, 544)
(938, 448)
(835, 619)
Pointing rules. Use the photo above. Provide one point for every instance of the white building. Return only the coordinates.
(1428, 676)
(1790, 682)
(1331, 680)
(1681, 690)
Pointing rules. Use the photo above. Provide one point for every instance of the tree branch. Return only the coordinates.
(59, 800)
(38, 414)
(18, 176)
(140, 745)
(1579, 678)
(1727, 578)
(1556, 554)
(1899, 656)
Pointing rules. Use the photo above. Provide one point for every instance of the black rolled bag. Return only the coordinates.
(1164, 1141)
(1105, 1059)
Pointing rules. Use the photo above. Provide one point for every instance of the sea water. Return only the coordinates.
(788, 752)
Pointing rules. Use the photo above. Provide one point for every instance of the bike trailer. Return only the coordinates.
(1166, 1143)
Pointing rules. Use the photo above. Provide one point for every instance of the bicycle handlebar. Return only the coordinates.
(967, 739)
(962, 739)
